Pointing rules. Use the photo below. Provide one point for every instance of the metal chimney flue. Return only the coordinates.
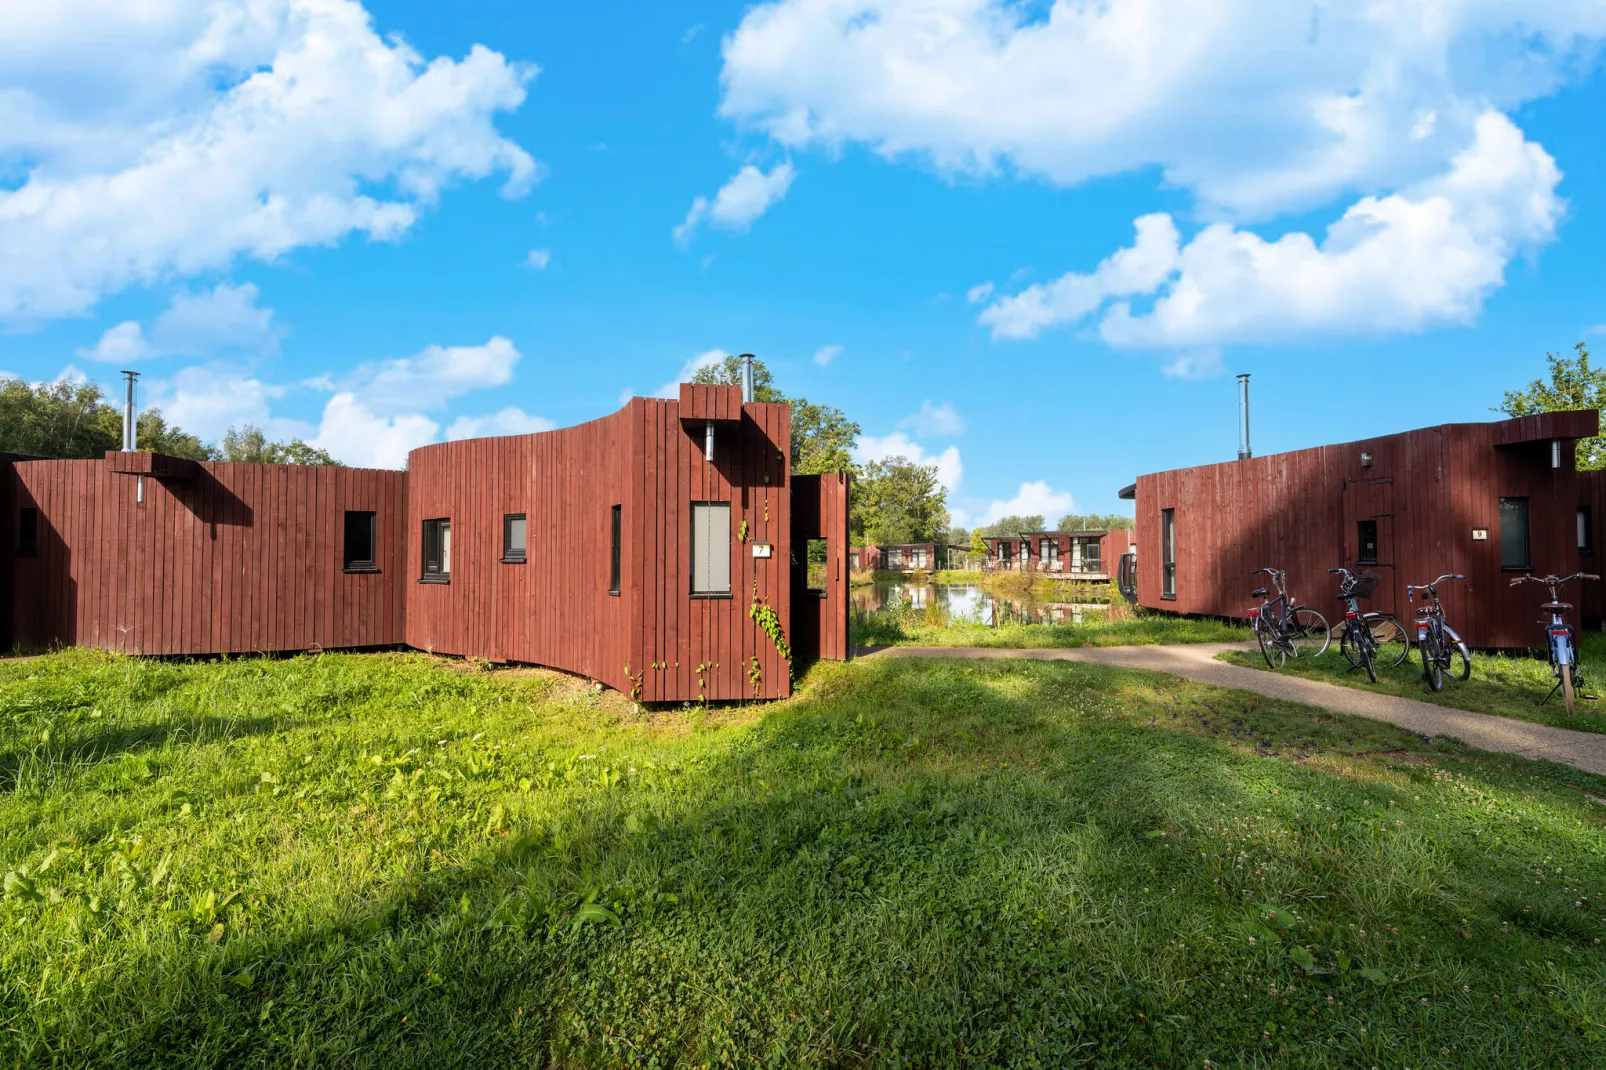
(747, 377)
(1243, 418)
(130, 414)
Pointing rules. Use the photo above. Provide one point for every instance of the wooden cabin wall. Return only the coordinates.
(555, 609)
(1592, 494)
(241, 558)
(1427, 490)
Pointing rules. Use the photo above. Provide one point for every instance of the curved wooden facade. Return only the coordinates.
(236, 558)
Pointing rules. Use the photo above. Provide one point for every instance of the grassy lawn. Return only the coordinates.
(933, 627)
(393, 860)
(1510, 685)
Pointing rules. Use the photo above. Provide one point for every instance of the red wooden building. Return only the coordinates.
(899, 557)
(1081, 555)
(1489, 500)
(632, 550)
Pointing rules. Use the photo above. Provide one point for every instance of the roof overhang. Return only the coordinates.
(1543, 426)
(156, 465)
(1128, 493)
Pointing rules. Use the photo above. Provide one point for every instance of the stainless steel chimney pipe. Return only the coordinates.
(1243, 418)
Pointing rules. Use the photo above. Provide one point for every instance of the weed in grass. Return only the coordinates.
(933, 862)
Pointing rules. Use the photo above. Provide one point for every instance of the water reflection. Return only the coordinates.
(969, 604)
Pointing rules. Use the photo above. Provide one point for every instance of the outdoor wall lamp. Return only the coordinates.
(1555, 453)
(1366, 458)
(708, 442)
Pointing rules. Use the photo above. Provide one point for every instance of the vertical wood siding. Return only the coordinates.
(1427, 491)
(654, 639)
(239, 558)
(820, 618)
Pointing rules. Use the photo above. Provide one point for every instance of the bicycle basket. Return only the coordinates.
(1365, 583)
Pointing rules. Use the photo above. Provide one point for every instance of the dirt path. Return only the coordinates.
(1585, 750)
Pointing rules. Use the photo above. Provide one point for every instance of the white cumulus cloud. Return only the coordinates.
(202, 324)
(671, 389)
(950, 470)
(1426, 256)
(509, 421)
(433, 376)
(934, 420)
(826, 354)
(1032, 499)
(748, 195)
(355, 434)
(158, 140)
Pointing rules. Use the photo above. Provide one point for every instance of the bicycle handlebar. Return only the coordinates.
(1553, 580)
(1409, 587)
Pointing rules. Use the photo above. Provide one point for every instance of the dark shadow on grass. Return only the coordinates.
(945, 875)
(76, 751)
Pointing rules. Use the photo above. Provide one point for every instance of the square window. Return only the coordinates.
(360, 541)
(437, 551)
(1514, 552)
(710, 548)
(28, 532)
(513, 529)
(1366, 542)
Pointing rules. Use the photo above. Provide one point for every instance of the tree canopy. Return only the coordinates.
(75, 421)
(1095, 522)
(1007, 526)
(900, 502)
(1574, 384)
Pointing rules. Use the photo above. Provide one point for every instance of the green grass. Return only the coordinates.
(933, 627)
(387, 860)
(957, 575)
(1510, 684)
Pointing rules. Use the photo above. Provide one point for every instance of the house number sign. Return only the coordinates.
(1480, 534)
(763, 549)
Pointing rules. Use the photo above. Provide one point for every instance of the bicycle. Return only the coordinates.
(1293, 629)
(1367, 636)
(1561, 647)
(1443, 652)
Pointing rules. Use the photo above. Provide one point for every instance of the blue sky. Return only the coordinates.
(1031, 243)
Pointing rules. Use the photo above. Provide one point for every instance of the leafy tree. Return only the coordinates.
(977, 546)
(1095, 522)
(957, 537)
(822, 436)
(59, 419)
(902, 502)
(1573, 384)
(248, 444)
(1013, 525)
(157, 436)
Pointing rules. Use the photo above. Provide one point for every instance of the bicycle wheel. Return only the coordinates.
(1356, 646)
(1393, 642)
(1458, 659)
(1310, 633)
(1270, 648)
(1432, 662)
(1567, 687)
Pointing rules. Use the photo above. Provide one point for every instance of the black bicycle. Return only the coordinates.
(1368, 637)
(1561, 647)
(1443, 652)
(1282, 627)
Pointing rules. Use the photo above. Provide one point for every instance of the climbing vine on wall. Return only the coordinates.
(763, 615)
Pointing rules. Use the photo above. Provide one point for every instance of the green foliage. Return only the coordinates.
(1013, 526)
(1095, 522)
(763, 614)
(929, 863)
(156, 436)
(900, 502)
(1574, 384)
(901, 625)
(59, 419)
(728, 372)
(250, 445)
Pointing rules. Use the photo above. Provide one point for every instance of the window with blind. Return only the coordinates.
(710, 549)
(437, 551)
(513, 538)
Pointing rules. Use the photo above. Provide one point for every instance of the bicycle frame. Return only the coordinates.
(1433, 636)
(1561, 644)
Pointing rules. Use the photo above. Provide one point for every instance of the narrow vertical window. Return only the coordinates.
(710, 548)
(613, 556)
(1090, 556)
(1514, 533)
(1168, 553)
(1366, 541)
(513, 539)
(437, 551)
(28, 532)
(817, 554)
(1586, 530)
(360, 541)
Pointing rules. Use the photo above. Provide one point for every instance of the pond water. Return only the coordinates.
(968, 603)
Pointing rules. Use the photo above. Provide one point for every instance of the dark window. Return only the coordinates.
(817, 554)
(360, 542)
(710, 548)
(1168, 553)
(1050, 551)
(1514, 533)
(28, 532)
(1366, 540)
(513, 531)
(894, 560)
(1586, 530)
(613, 557)
(437, 551)
(1006, 552)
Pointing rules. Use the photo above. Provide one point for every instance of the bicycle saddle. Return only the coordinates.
(1257, 592)
(1558, 606)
